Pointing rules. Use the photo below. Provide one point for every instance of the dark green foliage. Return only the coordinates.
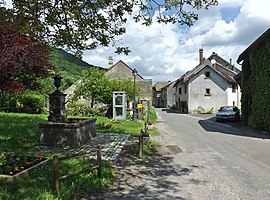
(257, 86)
(11, 102)
(260, 87)
(95, 87)
(32, 103)
(27, 102)
(246, 93)
(126, 85)
(68, 66)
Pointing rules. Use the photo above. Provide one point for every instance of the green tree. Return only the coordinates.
(126, 85)
(84, 24)
(95, 86)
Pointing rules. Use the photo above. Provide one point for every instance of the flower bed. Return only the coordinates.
(12, 165)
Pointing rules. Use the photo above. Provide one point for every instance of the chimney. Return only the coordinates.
(214, 61)
(230, 61)
(110, 61)
(201, 55)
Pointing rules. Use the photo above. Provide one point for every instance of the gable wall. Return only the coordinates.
(146, 86)
(120, 70)
(197, 91)
(170, 96)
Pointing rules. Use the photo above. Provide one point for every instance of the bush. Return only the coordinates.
(10, 103)
(32, 103)
(75, 109)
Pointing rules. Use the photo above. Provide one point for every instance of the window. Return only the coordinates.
(185, 89)
(207, 74)
(234, 88)
(207, 92)
(180, 90)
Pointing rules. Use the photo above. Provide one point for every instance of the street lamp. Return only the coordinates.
(134, 73)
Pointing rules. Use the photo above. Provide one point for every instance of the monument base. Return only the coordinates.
(73, 133)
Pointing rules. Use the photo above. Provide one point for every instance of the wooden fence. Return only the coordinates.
(56, 160)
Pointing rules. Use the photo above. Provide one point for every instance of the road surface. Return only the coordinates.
(216, 160)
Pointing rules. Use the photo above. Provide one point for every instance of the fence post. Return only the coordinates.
(55, 173)
(99, 161)
(140, 146)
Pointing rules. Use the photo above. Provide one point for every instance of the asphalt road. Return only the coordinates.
(218, 160)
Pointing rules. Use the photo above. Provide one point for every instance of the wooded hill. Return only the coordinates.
(68, 66)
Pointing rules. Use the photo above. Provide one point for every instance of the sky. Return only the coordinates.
(165, 52)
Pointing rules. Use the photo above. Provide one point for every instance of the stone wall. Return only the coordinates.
(73, 133)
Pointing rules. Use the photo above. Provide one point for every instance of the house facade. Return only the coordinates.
(208, 86)
(168, 95)
(157, 99)
(255, 82)
(123, 71)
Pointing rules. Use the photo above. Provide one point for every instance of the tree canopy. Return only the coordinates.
(85, 24)
(97, 87)
(22, 61)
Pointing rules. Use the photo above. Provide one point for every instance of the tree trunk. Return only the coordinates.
(1, 100)
(92, 102)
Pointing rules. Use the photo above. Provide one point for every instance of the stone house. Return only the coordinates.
(208, 86)
(122, 70)
(255, 82)
(157, 100)
(168, 95)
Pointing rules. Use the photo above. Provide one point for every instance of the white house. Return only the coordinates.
(208, 86)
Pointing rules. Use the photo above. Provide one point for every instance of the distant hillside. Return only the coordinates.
(68, 66)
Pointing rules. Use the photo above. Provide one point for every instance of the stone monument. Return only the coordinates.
(63, 131)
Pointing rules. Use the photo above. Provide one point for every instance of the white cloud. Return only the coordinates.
(166, 52)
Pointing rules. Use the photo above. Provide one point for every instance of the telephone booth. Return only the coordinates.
(119, 105)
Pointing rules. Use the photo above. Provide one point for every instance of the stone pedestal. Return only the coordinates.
(73, 133)
(57, 107)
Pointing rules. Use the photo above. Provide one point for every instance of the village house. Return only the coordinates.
(168, 95)
(255, 82)
(163, 94)
(208, 86)
(123, 71)
(157, 99)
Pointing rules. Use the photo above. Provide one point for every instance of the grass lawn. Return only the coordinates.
(19, 133)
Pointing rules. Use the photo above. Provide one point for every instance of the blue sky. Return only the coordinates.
(229, 14)
(163, 53)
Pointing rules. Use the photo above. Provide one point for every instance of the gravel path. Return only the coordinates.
(149, 178)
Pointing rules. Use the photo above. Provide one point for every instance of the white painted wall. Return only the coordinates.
(234, 97)
(220, 92)
(197, 89)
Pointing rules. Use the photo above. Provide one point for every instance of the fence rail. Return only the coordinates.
(56, 160)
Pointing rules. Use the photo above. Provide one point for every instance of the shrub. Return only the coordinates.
(10, 103)
(32, 103)
(84, 110)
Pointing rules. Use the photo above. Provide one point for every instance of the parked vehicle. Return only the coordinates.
(228, 113)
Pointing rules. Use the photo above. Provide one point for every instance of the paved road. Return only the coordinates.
(218, 160)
